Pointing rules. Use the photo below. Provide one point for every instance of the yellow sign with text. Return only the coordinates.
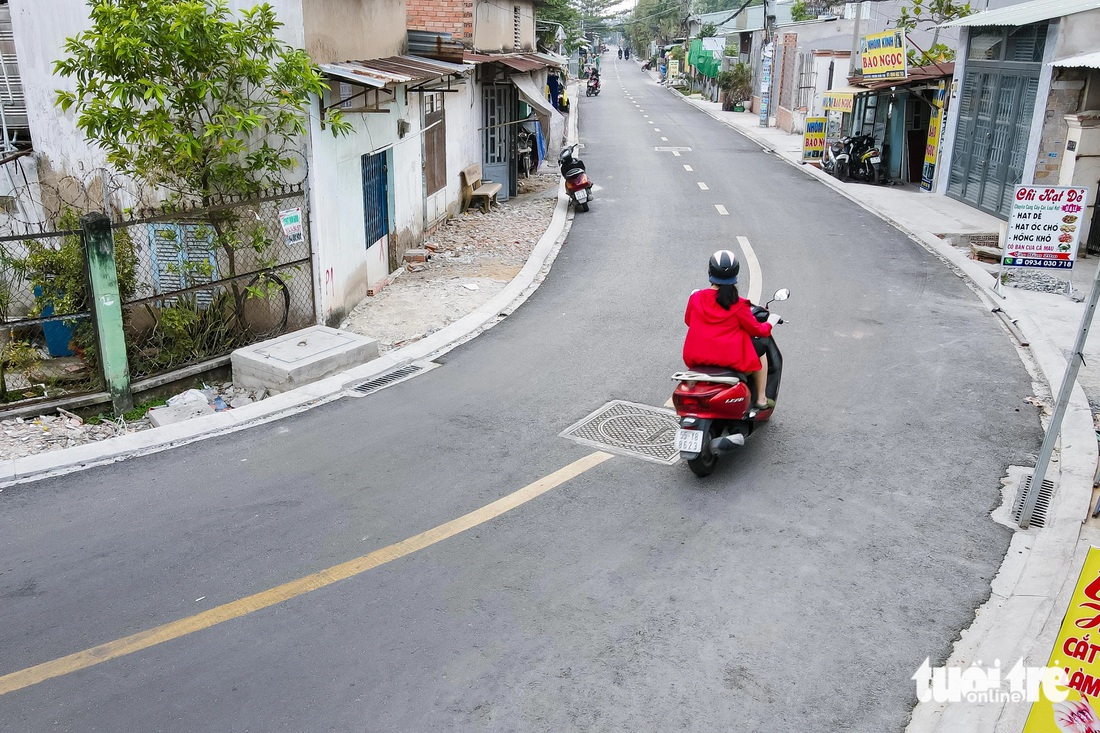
(813, 140)
(883, 55)
(1077, 652)
(838, 101)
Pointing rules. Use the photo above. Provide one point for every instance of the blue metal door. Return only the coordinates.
(376, 209)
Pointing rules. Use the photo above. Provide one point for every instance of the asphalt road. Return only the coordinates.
(798, 588)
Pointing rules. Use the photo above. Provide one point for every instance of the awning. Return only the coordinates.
(517, 61)
(1086, 60)
(553, 122)
(391, 71)
(1024, 13)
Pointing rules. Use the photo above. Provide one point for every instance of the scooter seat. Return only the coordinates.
(721, 372)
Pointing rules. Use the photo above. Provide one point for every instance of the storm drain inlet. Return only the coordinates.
(1042, 503)
(629, 429)
(390, 378)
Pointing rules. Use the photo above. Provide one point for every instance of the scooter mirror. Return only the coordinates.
(782, 294)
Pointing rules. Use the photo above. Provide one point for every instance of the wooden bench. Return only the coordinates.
(485, 191)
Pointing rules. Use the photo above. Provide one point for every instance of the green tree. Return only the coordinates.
(929, 15)
(182, 95)
(799, 12)
(554, 14)
(198, 102)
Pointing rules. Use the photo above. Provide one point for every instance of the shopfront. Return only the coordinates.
(996, 103)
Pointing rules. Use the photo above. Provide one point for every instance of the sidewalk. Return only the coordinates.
(1032, 589)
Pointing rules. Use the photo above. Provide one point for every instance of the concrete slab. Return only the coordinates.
(300, 358)
(168, 415)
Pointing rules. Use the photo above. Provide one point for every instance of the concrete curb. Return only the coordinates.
(490, 313)
(1022, 617)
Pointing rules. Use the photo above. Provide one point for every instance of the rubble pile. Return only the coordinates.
(471, 259)
(20, 437)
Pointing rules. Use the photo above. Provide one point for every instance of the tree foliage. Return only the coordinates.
(800, 12)
(183, 95)
(929, 15)
(657, 21)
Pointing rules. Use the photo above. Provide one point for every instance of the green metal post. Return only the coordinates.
(106, 304)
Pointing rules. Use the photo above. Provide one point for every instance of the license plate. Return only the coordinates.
(876, 159)
(689, 441)
(582, 196)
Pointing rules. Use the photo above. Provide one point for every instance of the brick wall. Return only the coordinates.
(444, 16)
(1062, 101)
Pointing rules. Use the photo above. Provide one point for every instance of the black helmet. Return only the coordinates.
(724, 267)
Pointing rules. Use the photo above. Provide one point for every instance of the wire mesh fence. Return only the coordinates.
(194, 284)
(47, 344)
(209, 281)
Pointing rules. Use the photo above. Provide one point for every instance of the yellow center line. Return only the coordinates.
(244, 606)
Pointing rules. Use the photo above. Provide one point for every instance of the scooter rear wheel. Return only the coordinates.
(707, 461)
(583, 207)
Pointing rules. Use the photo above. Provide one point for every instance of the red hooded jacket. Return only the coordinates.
(720, 337)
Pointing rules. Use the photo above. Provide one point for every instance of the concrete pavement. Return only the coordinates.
(1032, 589)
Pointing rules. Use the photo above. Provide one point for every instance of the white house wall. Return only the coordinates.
(494, 29)
(346, 267)
(463, 113)
(60, 148)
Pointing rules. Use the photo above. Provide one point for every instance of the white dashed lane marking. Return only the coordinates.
(721, 210)
(687, 167)
(702, 186)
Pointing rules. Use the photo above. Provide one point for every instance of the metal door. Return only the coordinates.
(376, 208)
(991, 138)
(499, 105)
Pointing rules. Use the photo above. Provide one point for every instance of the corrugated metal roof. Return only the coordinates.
(1089, 60)
(391, 71)
(1024, 13)
(517, 61)
(917, 75)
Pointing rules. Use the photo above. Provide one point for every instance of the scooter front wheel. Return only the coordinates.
(707, 460)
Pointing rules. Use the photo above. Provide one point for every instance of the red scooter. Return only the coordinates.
(715, 404)
(577, 184)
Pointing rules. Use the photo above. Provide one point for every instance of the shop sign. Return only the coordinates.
(813, 140)
(838, 101)
(883, 55)
(1076, 657)
(291, 221)
(1044, 227)
(932, 149)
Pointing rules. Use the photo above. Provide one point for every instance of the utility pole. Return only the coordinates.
(855, 39)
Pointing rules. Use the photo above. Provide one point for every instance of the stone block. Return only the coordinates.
(417, 255)
(302, 357)
(168, 415)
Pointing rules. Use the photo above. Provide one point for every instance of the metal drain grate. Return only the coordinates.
(390, 378)
(629, 429)
(1042, 504)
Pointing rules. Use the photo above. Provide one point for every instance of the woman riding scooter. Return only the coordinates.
(721, 327)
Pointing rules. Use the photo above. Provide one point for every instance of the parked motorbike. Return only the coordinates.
(854, 157)
(577, 184)
(715, 404)
(593, 87)
(525, 145)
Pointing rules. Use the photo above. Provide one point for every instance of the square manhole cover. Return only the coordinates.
(629, 429)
